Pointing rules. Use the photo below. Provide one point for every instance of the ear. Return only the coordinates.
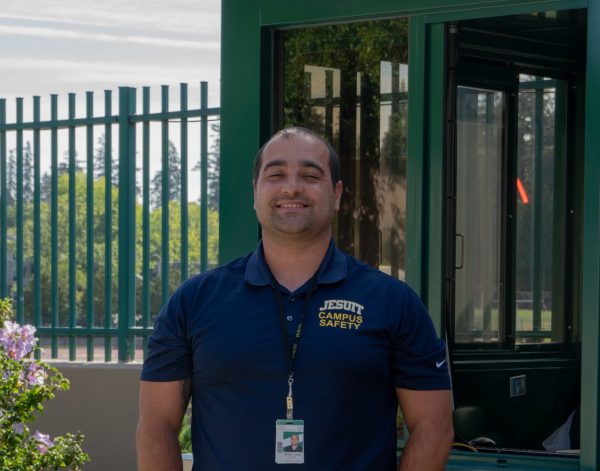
(338, 194)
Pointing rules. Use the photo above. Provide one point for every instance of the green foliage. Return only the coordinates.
(173, 179)
(338, 80)
(185, 435)
(5, 310)
(24, 385)
(350, 48)
(101, 269)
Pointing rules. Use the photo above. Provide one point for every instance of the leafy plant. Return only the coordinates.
(185, 435)
(25, 383)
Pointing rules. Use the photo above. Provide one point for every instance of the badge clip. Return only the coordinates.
(289, 415)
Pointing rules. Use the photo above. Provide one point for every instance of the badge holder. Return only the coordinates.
(289, 434)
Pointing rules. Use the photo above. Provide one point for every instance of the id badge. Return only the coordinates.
(289, 441)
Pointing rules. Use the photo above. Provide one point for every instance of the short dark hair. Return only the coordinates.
(334, 160)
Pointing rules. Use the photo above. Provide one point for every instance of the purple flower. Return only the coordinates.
(18, 428)
(36, 375)
(43, 441)
(17, 341)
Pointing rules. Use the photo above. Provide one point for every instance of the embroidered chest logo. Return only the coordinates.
(341, 314)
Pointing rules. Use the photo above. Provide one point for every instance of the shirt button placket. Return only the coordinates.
(289, 316)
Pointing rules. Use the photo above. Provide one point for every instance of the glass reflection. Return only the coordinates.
(349, 83)
(540, 235)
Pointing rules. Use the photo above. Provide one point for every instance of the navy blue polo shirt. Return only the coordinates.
(365, 334)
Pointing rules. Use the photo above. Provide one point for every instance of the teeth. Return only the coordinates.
(291, 205)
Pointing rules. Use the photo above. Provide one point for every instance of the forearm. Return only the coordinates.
(427, 449)
(158, 448)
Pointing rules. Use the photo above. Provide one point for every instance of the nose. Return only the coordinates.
(292, 186)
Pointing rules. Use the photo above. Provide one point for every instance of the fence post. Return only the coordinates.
(37, 223)
(204, 177)
(165, 235)
(20, 299)
(72, 233)
(3, 203)
(126, 234)
(108, 224)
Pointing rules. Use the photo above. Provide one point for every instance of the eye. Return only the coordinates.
(274, 175)
(311, 177)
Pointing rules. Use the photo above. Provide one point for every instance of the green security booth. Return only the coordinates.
(469, 135)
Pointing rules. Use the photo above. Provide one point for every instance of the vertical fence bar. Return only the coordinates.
(89, 96)
(54, 222)
(37, 223)
(183, 252)
(3, 203)
(131, 341)
(108, 225)
(72, 232)
(126, 221)
(20, 300)
(203, 177)
(165, 197)
(146, 215)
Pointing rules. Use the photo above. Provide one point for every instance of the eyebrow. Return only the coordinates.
(303, 163)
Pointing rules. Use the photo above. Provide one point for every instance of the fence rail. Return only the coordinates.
(32, 218)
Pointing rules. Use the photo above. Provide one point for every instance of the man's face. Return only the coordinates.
(293, 194)
(295, 440)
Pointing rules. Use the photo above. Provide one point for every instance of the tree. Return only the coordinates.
(11, 177)
(46, 187)
(27, 172)
(174, 178)
(100, 245)
(214, 168)
(347, 57)
(62, 226)
(100, 161)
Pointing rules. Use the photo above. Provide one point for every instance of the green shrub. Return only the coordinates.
(25, 383)
(185, 435)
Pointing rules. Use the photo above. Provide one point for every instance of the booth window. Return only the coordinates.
(501, 217)
(540, 228)
(349, 83)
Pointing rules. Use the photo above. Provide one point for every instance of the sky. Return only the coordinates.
(62, 46)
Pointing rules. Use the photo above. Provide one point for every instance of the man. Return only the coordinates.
(294, 444)
(297, 336)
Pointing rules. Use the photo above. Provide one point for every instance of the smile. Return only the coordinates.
(291, 205)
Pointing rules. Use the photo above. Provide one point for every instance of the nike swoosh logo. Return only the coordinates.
(439, 363)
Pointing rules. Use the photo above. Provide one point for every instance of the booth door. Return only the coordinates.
(511, 239)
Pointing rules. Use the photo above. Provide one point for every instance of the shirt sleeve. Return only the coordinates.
(169, 355)
(419, 356)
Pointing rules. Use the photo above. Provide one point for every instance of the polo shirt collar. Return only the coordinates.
(333, 267)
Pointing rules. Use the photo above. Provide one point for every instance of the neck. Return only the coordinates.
(292, 265)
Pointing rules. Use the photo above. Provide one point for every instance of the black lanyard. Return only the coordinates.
(290, 352)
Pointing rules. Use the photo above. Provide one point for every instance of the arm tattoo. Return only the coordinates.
(187, 392)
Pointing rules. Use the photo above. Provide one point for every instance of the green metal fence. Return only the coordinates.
(87, 271)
